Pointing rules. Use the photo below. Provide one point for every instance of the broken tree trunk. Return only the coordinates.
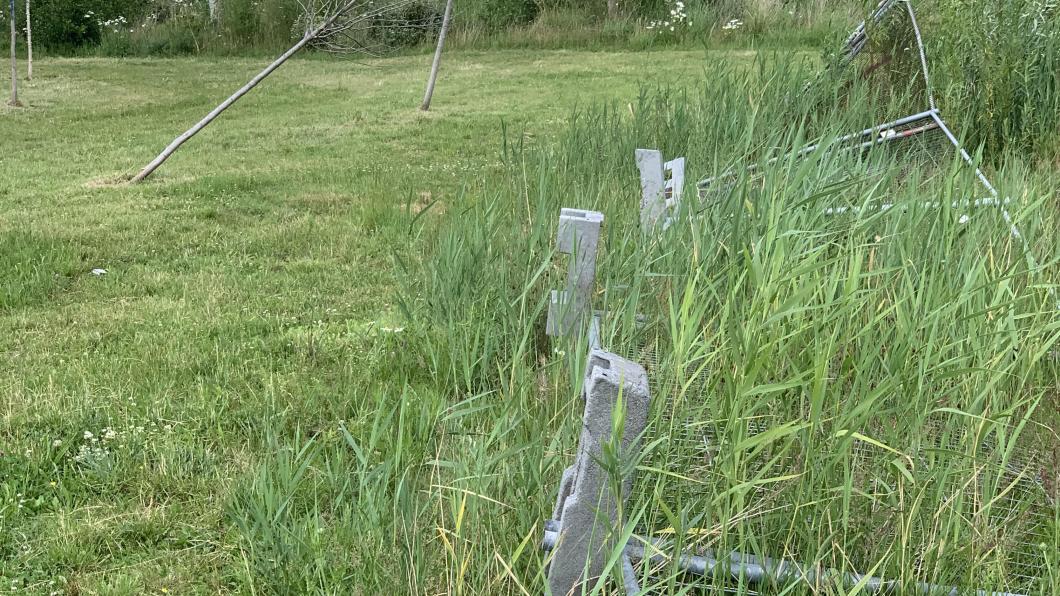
(437, 56)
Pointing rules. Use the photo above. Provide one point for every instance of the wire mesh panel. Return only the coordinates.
(944, 495)
(717, 478)
(720, 474)
(1001, 511)
(886, 54)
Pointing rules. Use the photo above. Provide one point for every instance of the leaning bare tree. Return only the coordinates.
(331, 25)
(433, 78)
(14, 62)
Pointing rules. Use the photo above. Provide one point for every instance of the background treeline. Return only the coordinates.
(172, 27)
(996, 65)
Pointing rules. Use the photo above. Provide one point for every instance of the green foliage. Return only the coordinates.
(259, 24)
(168, 28)
(998, 66)
(498, 14)
(70, 24)
(409, 25)
(841, 363)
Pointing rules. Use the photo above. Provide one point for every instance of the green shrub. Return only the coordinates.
(497, 14)
(70, 24)
(259, 24)
(408, 26)
(169, 28)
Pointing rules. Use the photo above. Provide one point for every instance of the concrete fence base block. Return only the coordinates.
(661, 185)
(587, 507)
(578, 236)
(652, 188)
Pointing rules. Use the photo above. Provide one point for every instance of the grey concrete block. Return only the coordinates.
(652, 188)
(588, 506)
(661, 185)
(566, 485)
(675, 187)
(578, 236)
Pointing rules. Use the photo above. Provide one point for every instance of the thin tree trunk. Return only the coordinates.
(612, 9)
(14, 63)
(437, 56)
(162, 157)
(213, 7)
(29, 44)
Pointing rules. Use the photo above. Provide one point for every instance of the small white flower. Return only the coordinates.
(57, 443)
(97, 272)
(88, 435)
(964, 219)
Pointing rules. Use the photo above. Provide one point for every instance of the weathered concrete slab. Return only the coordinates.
(652, 188)
(661, 185)
(578, 236)
(587, 508)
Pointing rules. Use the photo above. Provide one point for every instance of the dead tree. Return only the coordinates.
(437, 56)
(330, 25)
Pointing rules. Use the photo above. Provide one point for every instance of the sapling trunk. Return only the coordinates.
(14, 63)
(437, 56)
(201, 124)
(29, 44)
(309, 36)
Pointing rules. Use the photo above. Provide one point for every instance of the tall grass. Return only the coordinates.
(998, 64)
(865, 393)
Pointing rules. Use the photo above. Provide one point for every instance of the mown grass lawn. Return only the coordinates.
(247, 289)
